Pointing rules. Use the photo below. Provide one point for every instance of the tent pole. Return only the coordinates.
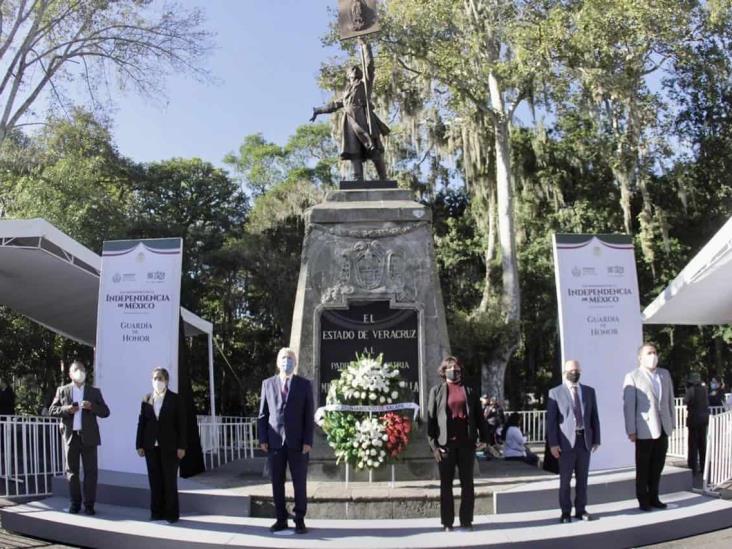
(211, 376)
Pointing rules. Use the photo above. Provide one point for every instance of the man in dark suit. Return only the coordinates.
(697, 421)
(161, 440)
(573, 432)
(285, 430)
(78, 405)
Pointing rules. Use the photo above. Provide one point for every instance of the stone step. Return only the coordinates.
(132, 490)
(619, 524)
(604, 487)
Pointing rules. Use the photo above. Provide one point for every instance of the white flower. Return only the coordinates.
(402, 384)
(389, 400)
(372, 396)
(382, 399)
(394, 394)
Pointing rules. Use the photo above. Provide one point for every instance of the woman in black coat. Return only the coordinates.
(161, 440)
(455, 429)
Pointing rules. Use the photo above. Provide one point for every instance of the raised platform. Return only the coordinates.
(604, 487)
(501, 487)
(619, 524)
(132, 490)
(516, 505)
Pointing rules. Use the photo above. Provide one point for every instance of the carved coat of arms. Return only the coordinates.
(369, 267)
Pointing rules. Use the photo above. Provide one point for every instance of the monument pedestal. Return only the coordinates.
(368, 284)
(369, 251)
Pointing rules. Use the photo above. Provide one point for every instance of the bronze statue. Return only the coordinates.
(362, 129)
(358, 18)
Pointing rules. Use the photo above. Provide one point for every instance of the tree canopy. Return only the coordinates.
(512, 120)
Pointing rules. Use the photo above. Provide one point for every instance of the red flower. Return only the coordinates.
(397, 430)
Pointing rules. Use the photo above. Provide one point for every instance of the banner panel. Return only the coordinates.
(600, 325)
(137, 330)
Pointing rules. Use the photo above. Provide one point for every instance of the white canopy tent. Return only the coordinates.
(52, 279)
(702, 292)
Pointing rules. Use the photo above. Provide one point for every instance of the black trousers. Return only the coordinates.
(279, 459)
(162, 474)
(76, 454)
(575, 461)
(463, 457)
(697, 449)
(650, 457)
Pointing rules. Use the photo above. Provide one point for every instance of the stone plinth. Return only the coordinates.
(368, 248)
(368, 283)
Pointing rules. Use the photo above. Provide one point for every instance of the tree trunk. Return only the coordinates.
(493, 372)
(490, 249)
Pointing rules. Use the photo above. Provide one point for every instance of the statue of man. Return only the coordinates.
(361, 140)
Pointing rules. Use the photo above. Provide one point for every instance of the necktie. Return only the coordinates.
(577, 408)
(285, 390)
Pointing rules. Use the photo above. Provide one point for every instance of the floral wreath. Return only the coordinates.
(356, 419)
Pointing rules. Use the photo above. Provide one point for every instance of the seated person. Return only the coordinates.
(514, 447)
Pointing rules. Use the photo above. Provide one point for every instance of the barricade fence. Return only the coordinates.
(31, 450)
(31, 454)
(226, 438)
(718, 462)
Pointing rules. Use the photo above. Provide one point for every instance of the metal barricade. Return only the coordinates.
(31, 454)
(225, 439)
(718, 462)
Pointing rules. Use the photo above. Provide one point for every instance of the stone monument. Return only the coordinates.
(368, 280)
(368, 284)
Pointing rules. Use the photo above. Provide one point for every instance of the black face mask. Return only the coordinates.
(573, 377)
(453, 375)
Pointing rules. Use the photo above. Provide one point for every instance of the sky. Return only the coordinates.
(266, 62)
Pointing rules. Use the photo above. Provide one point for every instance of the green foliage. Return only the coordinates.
(627, 127)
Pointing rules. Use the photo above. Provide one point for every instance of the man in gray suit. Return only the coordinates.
(285, 429)
(573, 431)
(78, 405)
(648, 406)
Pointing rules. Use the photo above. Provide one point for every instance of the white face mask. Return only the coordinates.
(287, 365)
(649, 361)
(78, 376)
(159, 385)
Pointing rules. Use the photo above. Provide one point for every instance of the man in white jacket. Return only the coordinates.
(648, 406)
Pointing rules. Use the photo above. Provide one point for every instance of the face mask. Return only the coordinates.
(78, 376)
(573, 377)
(453, 375)
(287, 365)
(649, 361)
(159, 385)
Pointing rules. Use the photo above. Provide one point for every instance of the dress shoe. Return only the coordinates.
(155, 516)
(89, 510)
(74, 508)
(658, 504)
(584, 516)
(565, 519)
(644, 507)
(171, 520)
(278, 526)
(300, 527)
(447, 528)
(467, 526)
